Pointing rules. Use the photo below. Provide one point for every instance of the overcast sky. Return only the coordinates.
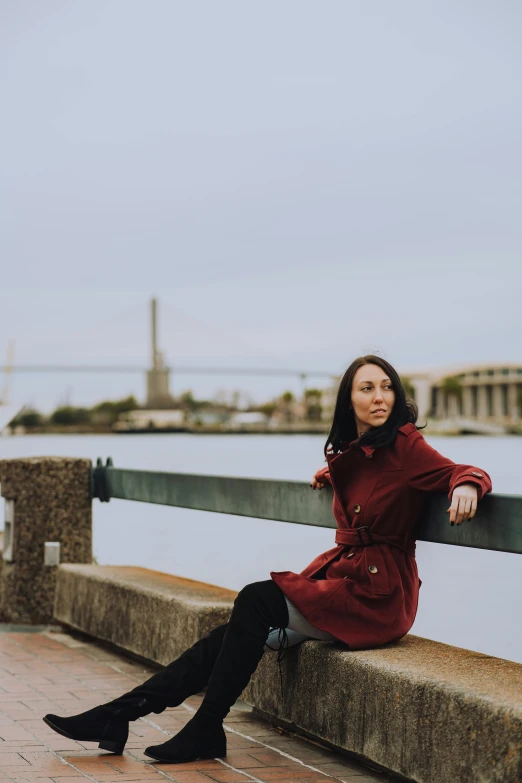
(298, 182)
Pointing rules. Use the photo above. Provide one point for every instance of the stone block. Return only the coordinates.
(428, 711)
(51, 501)
(151, 614)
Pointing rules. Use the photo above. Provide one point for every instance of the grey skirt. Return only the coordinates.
(298, 630)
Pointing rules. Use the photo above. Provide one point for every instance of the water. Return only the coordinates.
(469, 598)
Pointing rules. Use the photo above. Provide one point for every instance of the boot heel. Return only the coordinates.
(218, 753)
(112, 747)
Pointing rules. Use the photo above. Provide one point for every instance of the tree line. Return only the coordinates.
(106, 413)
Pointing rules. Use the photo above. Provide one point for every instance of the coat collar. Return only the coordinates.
(405, 428)
(367, 450)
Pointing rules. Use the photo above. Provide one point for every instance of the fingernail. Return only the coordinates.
(452, 523)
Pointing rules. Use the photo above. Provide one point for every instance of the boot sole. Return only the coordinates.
(110, 745)
(217, 753)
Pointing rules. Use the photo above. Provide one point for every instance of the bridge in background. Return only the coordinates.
(158, 374)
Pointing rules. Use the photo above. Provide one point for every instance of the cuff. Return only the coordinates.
(477, 477)
(323, 476)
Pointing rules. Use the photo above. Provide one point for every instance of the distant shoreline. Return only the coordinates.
(288, 430)
(107, 430)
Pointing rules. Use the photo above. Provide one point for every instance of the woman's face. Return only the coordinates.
(373, 397)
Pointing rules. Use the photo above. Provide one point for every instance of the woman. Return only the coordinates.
(363, 592)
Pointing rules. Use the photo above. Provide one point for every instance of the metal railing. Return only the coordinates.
(497, 524)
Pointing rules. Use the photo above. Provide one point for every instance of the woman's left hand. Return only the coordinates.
(463, 503)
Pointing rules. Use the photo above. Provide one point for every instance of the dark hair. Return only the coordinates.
(344, 429)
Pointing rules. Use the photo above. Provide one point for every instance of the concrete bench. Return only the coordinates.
(431, 712)
(154, 615)
(428, 711)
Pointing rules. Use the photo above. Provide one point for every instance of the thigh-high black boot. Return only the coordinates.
(108, 724)
(257, 608)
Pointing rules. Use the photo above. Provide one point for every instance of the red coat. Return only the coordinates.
(365, 590)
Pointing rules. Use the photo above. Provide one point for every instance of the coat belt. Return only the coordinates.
(363, 536)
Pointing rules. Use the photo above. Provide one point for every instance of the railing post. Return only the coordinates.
(48, 502)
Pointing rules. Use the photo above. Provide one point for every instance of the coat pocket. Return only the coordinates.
(377, 570)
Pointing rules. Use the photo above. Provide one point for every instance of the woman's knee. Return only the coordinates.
(255, 591)
(262, 600)
(274, 639)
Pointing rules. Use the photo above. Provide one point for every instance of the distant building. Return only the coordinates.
(248, 420)
(213, 416)
(482, 392)
(328, 400)
(150, 421)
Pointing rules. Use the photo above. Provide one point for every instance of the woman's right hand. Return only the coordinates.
(321, 478)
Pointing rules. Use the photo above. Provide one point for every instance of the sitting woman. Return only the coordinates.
(363, 592)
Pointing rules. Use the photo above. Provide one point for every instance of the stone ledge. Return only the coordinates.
(154, 615)
(427, 711)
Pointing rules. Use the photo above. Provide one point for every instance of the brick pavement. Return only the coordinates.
(50, 671)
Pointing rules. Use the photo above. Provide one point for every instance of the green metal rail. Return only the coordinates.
(496, 526)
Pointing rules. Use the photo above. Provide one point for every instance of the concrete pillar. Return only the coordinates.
(441, 403)
(467, 402)
(482, 402)
(422, 388)
(453, 406)
(158, 395)
(498, 406)
(513, 411)
(48, 501)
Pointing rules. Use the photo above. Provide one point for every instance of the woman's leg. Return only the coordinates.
(108, 724)
(257, 608)
(188, 674)
(298, 630)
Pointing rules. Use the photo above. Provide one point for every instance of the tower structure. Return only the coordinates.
(158, 395)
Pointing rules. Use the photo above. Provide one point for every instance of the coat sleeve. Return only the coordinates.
(427, 470)
(323, 476)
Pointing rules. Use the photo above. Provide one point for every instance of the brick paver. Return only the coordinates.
(54, 672)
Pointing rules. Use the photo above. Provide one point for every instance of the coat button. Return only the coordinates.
(369, 456)
(357, 509)
(373, 569)
(351, 554)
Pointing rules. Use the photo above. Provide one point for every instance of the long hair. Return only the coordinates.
(344, 429)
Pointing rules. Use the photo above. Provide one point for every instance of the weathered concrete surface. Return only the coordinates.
(52, 502)
(428, 711)
(151, 614)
